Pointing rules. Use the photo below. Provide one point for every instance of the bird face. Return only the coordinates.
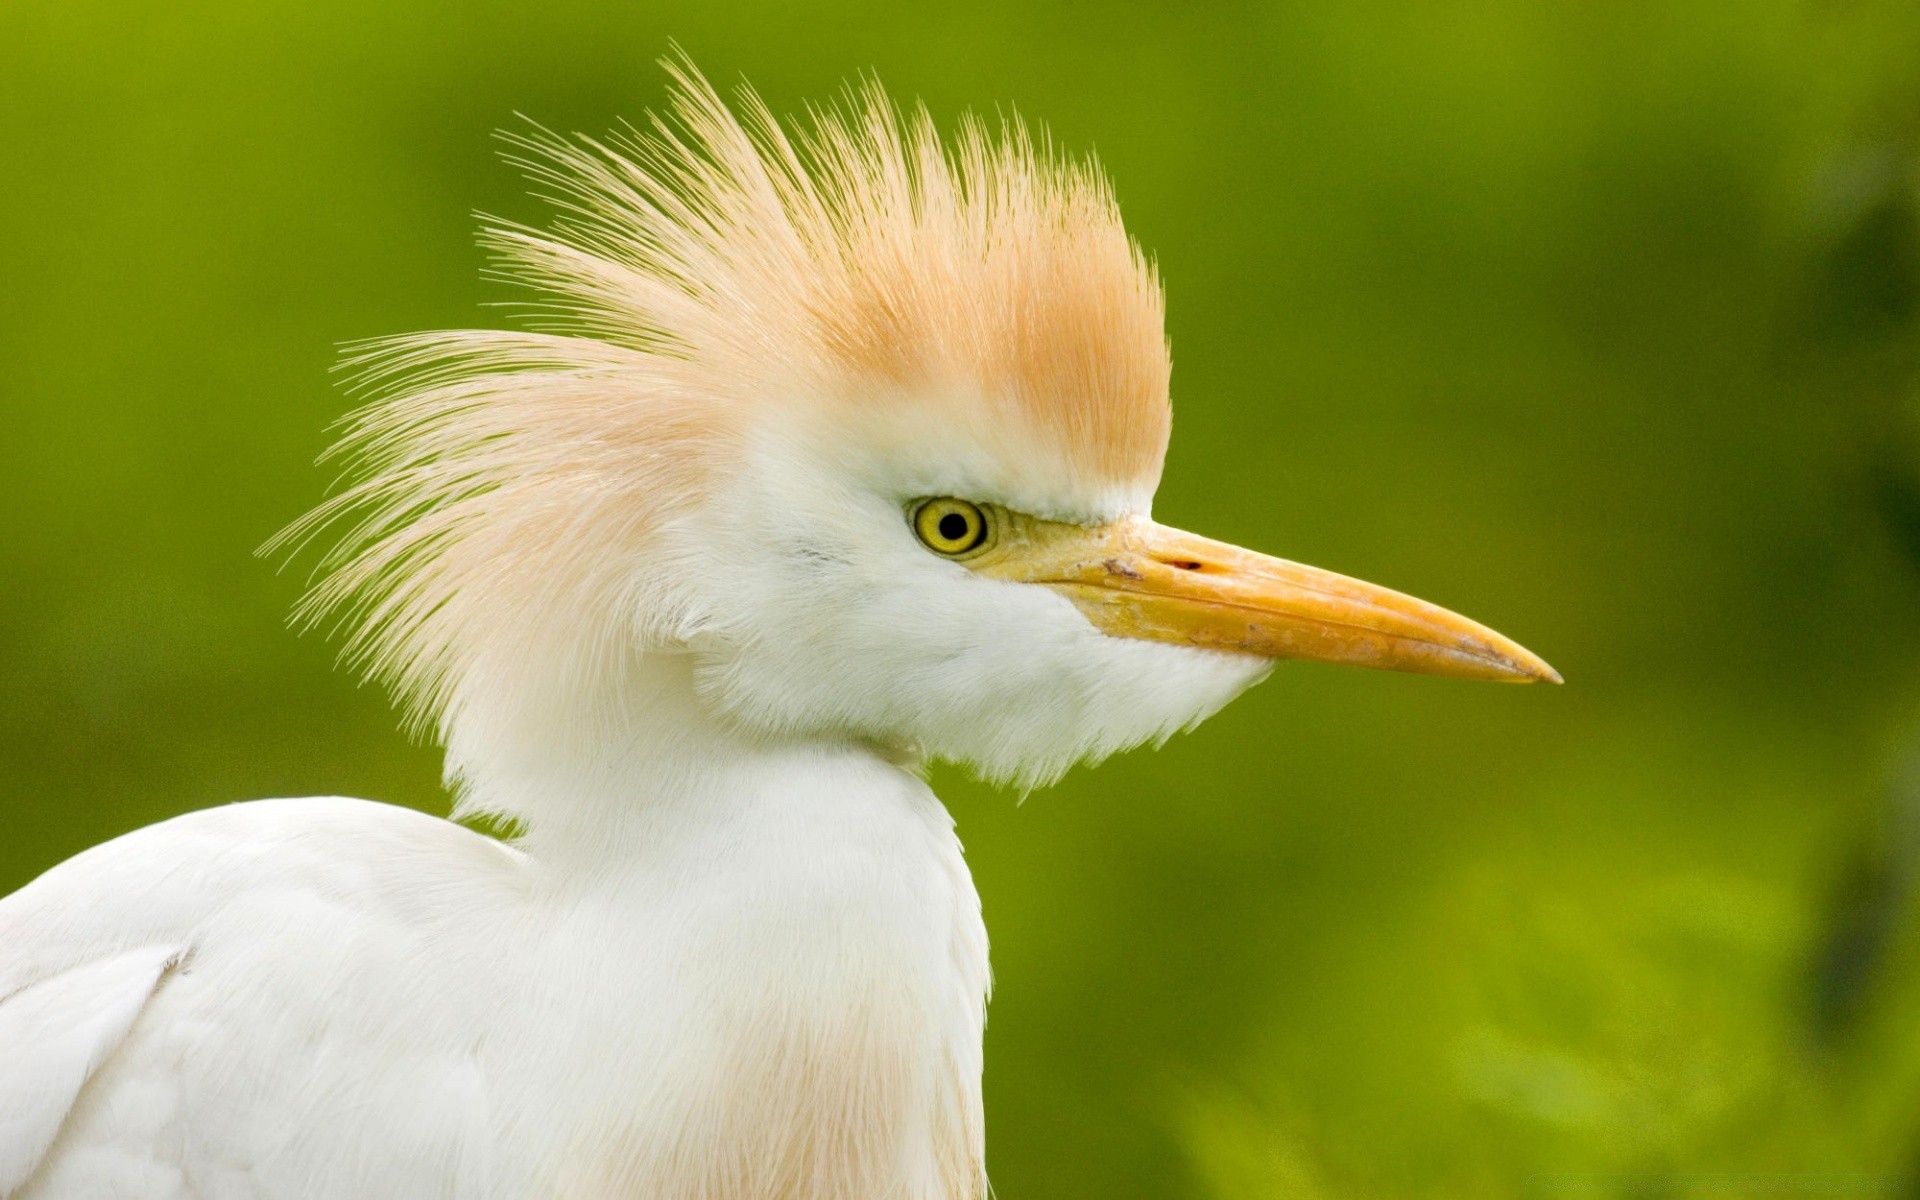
(968, 593)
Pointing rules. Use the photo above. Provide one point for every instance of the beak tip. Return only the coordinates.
(1530, 668)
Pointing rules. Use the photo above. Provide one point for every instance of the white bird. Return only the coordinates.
(838, 457)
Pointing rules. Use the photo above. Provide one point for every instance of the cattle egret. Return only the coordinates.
(834, 456)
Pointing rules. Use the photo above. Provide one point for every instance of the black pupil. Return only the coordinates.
(953, 527)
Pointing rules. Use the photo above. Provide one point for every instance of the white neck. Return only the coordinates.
(798, 901)
(598, 778)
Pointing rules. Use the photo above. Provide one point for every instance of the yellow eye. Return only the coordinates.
(950, 527)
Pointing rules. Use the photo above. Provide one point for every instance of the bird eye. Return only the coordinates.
(950, 527)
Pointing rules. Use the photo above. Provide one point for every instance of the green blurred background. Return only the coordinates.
(1596, 321)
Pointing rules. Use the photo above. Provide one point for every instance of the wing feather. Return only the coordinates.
(54, 1035)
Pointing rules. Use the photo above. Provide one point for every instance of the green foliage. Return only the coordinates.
(1594, 321)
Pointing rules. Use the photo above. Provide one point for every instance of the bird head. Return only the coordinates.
(863, 425)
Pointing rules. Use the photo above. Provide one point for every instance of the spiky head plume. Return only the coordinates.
(706, 275)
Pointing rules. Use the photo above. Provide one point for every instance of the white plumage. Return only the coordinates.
(679, 585)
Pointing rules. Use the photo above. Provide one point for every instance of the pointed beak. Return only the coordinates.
(1137, 579)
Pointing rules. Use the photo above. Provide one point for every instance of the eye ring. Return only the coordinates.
(951, 528)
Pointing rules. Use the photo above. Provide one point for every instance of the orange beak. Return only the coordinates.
(1141, 580)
